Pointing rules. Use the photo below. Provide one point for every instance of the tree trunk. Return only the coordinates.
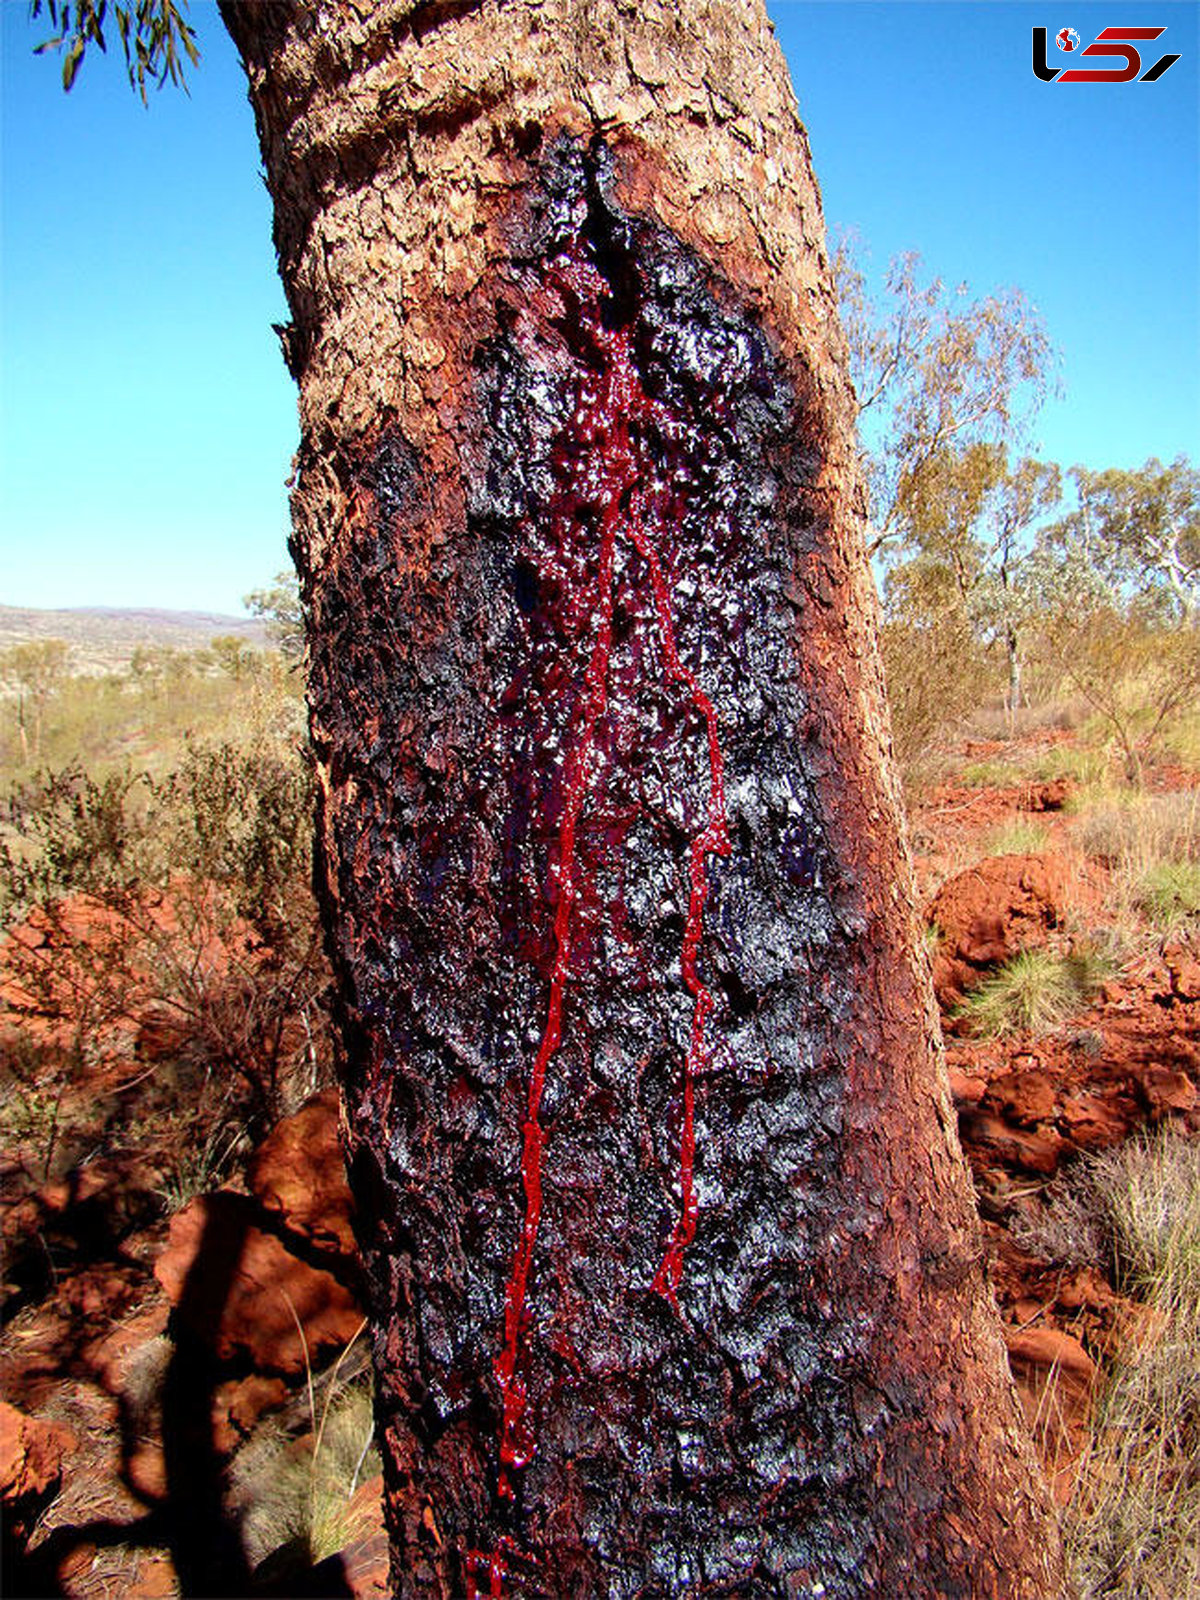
(1012, 646)
(675, 1276)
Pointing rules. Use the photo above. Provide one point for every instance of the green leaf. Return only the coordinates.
(71, 64)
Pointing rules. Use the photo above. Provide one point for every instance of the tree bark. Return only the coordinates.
(675, 1276)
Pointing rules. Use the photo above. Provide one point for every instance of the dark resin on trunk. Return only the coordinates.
(601, 978)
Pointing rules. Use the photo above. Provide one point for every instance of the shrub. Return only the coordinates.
(1082, 763)
(187, 895)
(1136, 831)
(992, 775)
(1032, 993)
(936, 675)
(1151, 843)
(1063, 1223)
(1140, 675)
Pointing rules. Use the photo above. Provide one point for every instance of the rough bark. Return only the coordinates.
(674, 1269)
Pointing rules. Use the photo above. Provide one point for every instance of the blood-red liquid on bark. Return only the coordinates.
(618, 476)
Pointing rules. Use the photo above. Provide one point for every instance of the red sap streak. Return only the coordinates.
(616, 470)
(713, 841)
(497, 1572)
(602, 422)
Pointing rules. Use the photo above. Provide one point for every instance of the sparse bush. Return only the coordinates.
(1045, 710)
(1140, 675)
(1137, 831)
(142, 714)
(1181, 740)
(1151, 844)
(33, 671)
(1083, 764)
(936, 676)
(1033, 992)
(67, 832)
(202, 1146)
(1094, 958)
(1064, 1225)
(187, 894)
(992, 775)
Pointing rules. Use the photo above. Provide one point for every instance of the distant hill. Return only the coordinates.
(103, 638)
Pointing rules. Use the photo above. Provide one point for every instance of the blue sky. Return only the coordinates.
(148, 422)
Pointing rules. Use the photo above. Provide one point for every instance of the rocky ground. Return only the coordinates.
(164, 1357)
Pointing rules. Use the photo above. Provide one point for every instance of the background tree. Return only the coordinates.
(33, 671)
(968, 524)
(1006, 598)
(935, 374)
(1138, 532)
(234, 656)
(279, 603)
(961, 589)
(1116, 583)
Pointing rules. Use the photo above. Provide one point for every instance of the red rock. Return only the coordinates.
(988, 1136)
(1166, 1091)
(1050, 796)
(299, 1174)
(1023, 1098)
(98, 1294)
(965, 1090)
(31, 1454)
(145, 1470)
(241, 1292)
(238, 1405)
(1049, 1348)
(155, 1580)
(365, 1563)
(163, 1031)
(1185, 973)
(54, 1196)
(1085, 1290)
(113, 1356)
(1091, 1122)
(77, 1565)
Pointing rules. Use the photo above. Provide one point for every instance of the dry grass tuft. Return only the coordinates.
(1169, 893)
(1133, 1526)
(298, 1494)
(1017, 838)
(1036, 992)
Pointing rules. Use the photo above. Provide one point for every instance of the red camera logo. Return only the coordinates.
(1119, 42)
